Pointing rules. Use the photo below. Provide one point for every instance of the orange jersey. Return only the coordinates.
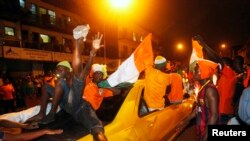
(95, 95)
(226, 86)
(7, 92)
(176, 93)
(246, 80)
(50, 80)
(156, 84)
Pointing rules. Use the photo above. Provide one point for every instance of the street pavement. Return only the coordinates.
(188, 134)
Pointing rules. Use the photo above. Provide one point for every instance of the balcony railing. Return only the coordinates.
(44, 21)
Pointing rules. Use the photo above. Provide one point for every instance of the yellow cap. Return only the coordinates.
(65, 64)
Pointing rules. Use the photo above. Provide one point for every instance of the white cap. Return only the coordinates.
(101, 68)
(160, 60)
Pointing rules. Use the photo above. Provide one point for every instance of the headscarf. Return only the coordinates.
(207, 68)
(101, 68)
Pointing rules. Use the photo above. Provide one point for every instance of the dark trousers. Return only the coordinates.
(9, 106)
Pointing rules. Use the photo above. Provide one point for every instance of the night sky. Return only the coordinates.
(174, 21)
(217, 21)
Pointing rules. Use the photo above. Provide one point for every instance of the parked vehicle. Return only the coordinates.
(133, 121)
(126, 118)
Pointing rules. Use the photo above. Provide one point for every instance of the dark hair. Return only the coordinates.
(239, 59)
(238, 63)
(228, 61)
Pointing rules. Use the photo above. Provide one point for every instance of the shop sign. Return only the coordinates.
(26, 54)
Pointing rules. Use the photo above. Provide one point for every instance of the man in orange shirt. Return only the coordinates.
(7, 92)
(92, 93)
(226, 87)
(156, 83)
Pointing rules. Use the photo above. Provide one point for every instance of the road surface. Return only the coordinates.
(188, 134)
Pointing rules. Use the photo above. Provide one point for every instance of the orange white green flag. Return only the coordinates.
(196, 54)
(130, 69)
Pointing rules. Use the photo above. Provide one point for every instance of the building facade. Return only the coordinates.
(35, 35)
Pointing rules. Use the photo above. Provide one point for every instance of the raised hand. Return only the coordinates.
(81, 31)
(96, 43)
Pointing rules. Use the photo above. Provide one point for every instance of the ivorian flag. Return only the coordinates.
(129, 70)
(196, 54)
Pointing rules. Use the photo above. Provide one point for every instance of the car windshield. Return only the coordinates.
(111, 105)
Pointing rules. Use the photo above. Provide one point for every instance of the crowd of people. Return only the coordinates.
(75, 90)
(22, 90)
(221, 102)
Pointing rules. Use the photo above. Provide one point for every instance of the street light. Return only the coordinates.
(222, 47)
(112, 9)
(179, 46)
(120, 4)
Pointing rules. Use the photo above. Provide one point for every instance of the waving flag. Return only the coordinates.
(130, 69)
(197, 53)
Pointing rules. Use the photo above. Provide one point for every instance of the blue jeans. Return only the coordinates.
(73, 103)
(83, 111)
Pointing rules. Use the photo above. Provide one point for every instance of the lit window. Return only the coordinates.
(45, 38)
(22, 3)
(9, 31)
(51, 13)
(42, 11)
(52, 16)
(33, 9)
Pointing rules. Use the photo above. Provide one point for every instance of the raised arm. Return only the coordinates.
(79, 34)
(77, 60)
(96, 44)
(78, 69)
